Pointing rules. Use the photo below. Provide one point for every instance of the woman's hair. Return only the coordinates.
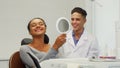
(28, 26)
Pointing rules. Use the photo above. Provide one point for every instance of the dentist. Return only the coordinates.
(79, 43)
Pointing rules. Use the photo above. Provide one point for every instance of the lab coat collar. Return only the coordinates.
(82, 39)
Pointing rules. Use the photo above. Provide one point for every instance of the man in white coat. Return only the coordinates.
(79, 43)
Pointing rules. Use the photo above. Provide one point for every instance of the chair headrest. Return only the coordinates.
(26, 41)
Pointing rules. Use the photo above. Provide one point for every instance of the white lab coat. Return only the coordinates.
(87, 47)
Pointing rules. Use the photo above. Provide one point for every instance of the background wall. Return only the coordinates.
(106, 17)
(117, 25)
(15, 15)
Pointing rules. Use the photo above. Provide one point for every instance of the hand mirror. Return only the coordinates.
(63, 25)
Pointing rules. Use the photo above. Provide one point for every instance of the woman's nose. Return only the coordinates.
(38, 25)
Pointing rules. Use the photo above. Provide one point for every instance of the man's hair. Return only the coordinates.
(79, 10)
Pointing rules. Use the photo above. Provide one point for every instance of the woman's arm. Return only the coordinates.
(25, 57)
(51, 54)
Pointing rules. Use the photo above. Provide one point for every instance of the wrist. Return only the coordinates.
(55, 47)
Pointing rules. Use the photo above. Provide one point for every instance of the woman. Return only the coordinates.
(40, 50)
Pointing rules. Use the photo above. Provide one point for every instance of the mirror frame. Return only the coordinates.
(58, 21)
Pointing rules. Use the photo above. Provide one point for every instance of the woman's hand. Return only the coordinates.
(59, 41)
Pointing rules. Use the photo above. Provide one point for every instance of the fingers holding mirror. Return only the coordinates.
(60, 40)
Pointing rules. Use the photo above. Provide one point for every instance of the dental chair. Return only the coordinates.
(15, 61)
(29, 40)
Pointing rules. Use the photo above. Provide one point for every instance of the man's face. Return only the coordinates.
(77, 21)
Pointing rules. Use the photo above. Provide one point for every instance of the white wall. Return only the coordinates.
(4, 64)
(89, 22)
(106, 13)
(117, 24)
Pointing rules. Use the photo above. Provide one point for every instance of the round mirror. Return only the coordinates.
(62, 25)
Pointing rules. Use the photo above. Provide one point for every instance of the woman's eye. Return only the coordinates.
(41, 24)
(77, 19)
(33, 25)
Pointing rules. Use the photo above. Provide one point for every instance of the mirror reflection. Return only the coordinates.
(62, 25)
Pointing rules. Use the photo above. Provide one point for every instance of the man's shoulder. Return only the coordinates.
(89, 35)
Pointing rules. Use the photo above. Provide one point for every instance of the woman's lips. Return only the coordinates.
(38, 30)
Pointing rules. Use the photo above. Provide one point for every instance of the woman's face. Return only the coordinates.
(37, 27)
